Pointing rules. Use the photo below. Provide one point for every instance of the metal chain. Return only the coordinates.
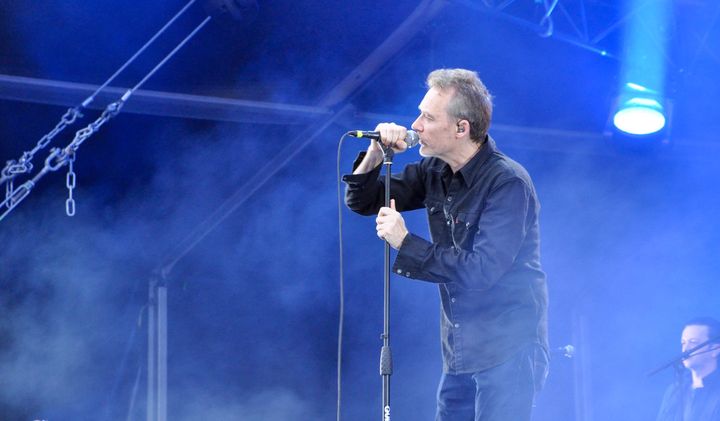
(81, 136)
(59, 157)
(70, 184)
(24, 164)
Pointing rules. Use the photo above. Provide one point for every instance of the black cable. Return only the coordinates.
(342, 281)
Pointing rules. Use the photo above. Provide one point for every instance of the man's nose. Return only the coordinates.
(416, 126)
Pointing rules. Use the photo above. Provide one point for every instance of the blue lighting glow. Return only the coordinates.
(639, 88)
(640, 116)
(641, 96)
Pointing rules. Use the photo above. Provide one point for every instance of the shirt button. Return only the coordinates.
(457, 325)
(399, 271)
(452, 300)
(432, 209)
(407, 274)
(449, 198)
(448, 222)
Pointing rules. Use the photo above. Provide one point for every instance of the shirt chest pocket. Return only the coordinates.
(452, 228)
(464, 228)
(438, 222)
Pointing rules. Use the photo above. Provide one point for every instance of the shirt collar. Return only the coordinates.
(470, 171)
(712, 380)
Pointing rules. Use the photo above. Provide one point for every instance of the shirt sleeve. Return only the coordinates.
(365, 193)
(502, 230)
(669, 407)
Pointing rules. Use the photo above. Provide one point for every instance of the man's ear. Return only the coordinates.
(462, 126)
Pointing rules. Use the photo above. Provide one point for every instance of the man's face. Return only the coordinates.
(434, 126)
(705, 357)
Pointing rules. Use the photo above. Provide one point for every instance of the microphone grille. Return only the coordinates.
(412, 138)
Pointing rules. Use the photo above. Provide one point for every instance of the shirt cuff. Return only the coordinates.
(359, 180)
(412, 253)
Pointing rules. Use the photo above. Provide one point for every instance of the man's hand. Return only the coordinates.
(390, 135)
(391, 226)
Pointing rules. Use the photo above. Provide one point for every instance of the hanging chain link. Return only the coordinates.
(70, 184)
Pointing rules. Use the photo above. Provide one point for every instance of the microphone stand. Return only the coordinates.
(683, 355)
(386, 367)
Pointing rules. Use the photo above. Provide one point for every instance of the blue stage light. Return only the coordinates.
(642, 108)
(640, 116)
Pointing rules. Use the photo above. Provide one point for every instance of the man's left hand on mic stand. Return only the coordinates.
(391, 226)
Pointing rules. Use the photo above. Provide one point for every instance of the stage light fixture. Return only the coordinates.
(640, 116)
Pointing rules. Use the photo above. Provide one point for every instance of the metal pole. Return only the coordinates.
(152, 308)
(162, 352)
(386, 366)
(581, 369)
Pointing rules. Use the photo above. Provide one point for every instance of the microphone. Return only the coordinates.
(687, 354)
(567, 351)
(411, 138)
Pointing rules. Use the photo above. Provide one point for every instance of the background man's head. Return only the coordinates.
(695, 332)
(471, 100)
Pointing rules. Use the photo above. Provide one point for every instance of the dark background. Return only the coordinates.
(629, 230)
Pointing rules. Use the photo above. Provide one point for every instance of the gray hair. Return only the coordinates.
(471, 102)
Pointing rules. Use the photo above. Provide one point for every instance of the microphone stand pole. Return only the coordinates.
(385, 353)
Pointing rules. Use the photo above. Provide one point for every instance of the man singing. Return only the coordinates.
(695, 396)
(484, 253)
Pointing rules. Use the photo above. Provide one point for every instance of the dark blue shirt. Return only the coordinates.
(484, 254)
(683, 403)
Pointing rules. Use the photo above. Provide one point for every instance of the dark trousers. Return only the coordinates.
(502, 393)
